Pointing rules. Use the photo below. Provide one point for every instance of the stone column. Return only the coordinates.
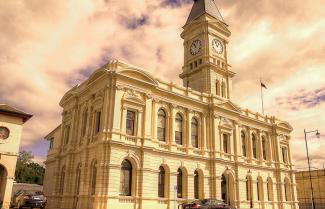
(203, 133)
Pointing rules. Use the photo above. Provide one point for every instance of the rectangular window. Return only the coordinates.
(225, 143)
(130, 120)
(284, 155)
(97, 122)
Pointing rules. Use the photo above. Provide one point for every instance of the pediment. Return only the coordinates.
(95, 75)
(133, 97)
(284, 125)
(139, 75)
(228, 105)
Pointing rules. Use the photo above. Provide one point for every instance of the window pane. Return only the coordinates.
(98, 116)
(161, 125)
(254, 146)
(178, 138)
(264, 148)
(130, 119)
(194, 133)
(225, 143)
(126, 178)
(243, 143)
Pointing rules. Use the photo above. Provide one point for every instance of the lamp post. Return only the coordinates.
(311, 183)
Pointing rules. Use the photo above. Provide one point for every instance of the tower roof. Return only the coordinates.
(201, 7)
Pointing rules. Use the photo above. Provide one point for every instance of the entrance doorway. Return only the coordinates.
(227, 189)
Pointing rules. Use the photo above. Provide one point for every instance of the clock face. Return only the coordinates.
(4, 133)
(217, 46)
(195, 47)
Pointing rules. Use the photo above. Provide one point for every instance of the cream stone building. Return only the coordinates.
(130, 140)
(11, 124)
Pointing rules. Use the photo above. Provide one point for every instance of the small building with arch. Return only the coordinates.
(11, 125)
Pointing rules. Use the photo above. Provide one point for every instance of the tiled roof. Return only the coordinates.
(201, 7)
(8, 110)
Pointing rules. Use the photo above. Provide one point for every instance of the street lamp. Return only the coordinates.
(311, 183)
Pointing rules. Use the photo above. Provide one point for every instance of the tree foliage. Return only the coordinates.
(27, 171)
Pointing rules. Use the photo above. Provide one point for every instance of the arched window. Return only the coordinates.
(217, 88)
(179, 129)
(93, 178)
(161, 129)
(179, 183)
(126, 178)
(287, 190)
(196, 185)
(78, 175)
(269, 189)
(161, 182)
(62, 178)
(264, 152)
(254, 142)
(243, 143)
(260, 195)
(84, 122)
(226, 143)
(194, 133)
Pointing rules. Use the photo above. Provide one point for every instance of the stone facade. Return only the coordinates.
(11, 125)
(304, 188)
(130, 140)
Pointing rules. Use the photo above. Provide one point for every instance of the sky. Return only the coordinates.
(47, 47)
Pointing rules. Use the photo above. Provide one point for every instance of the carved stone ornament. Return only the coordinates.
(131, 94)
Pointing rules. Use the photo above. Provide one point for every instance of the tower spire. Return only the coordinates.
(201, 7)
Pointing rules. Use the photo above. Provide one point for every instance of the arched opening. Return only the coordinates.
(93, 178)
(161, 182)
(3, 182)
(182, 183)
(243, 143)
(179, 129)
(227, 189)
(126, 178)
(249, 190)
(179, 183)
(260, 194)
(161, 125)
(194, 133)
(270, 189)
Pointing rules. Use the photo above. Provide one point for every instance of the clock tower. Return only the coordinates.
(206, 35)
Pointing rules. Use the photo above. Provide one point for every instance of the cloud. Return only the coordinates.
(302, 99)
(48, 47)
